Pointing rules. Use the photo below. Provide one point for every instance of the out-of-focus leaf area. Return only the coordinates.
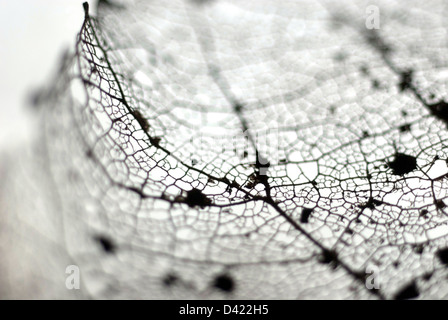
(236, 150)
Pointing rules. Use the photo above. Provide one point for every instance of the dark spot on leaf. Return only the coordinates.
(418, 249)
(440, 204)
(376, 202)
(408, 292)
(109, 3)
(427, 276)
(423, 213)
(405, 80)
(254, 180)
(170, 280)
(235, 184)
(375, 84)
(440, 110)
(371, 203)
(89, 153)
(201, 2)
(155, 141)
(137, 191)
(224, 282)
(374, 39)
(306, 213)
(364, 70)
(238, 108)
(195, 197)
(402, 164)
(329, 257)
(405, 128)
(36, 98)
(142, 121)
(340, 56)
(442, 254)
(106, 244)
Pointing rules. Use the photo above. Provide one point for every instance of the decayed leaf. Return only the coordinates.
(246, 149)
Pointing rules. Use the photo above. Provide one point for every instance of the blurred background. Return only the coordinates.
(33, 35)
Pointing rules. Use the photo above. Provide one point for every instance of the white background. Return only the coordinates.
(33, 35)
